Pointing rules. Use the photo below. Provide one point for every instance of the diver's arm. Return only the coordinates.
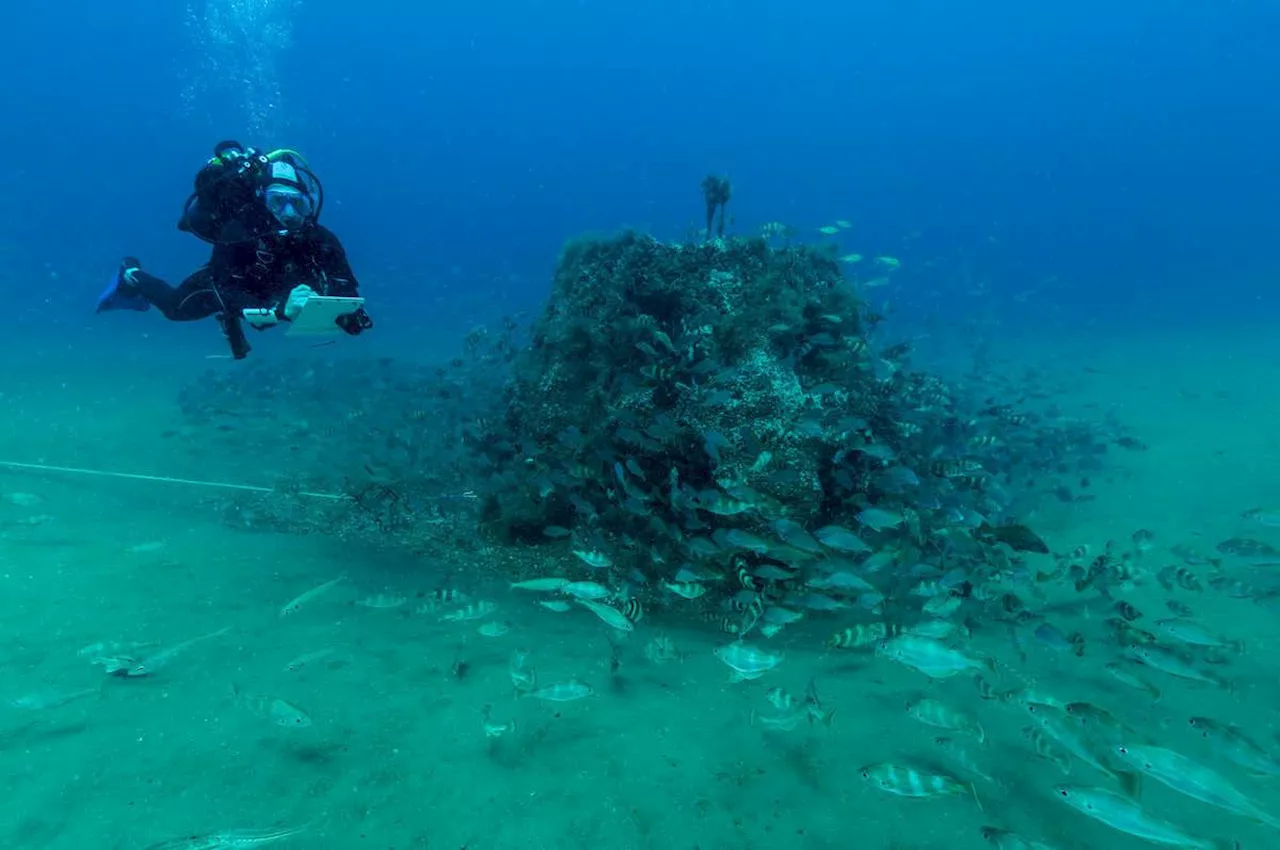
(339, 279)
(332, 260)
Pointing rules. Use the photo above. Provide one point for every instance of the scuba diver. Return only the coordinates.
(260, 212)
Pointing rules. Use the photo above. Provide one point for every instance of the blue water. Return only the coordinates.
(1126, 148)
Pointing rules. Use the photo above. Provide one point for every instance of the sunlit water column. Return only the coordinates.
(238, 45)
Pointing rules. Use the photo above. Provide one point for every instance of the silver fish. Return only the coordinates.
(1175, 664)
(685, 589)
(747, 661)
(841, 539)
(1121, 673)
(1121, 813)
(563, 691)
(1047, 749)
(879, 519)
(586, 590)
(906, 780)
(1191, 632)
(278, 711)
(1235, 745)
(930, 657)
(557, 605)
(608, 614)
(547, 584)
(475, 611)
(311, 659)
(938, 714)
(157, 661)
(234, 839)
(295, 605)
(523, 677)
(1193, 779)
(1062, 728)
(594, 559)
(790, 710)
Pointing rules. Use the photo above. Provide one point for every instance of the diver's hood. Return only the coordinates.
(243, 194)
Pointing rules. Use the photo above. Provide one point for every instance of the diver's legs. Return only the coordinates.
(195, 298)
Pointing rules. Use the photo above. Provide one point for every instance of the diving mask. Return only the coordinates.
(287, 205)
(290, 195)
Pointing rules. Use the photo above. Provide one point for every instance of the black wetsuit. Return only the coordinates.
(255, 274)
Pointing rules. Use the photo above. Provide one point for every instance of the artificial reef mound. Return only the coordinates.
(687, 361)
(718, 401)
(710, 417)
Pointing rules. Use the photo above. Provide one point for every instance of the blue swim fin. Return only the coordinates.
(120, 294)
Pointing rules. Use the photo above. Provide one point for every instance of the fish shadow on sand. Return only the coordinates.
(540, 735)
(508, 751)
(39, 729)
(801, 757)
(312, 753)
(849, 666)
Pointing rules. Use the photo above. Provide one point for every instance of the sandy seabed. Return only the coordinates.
(662, 756)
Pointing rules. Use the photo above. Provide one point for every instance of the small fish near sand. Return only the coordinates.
(1233, 744)
(662, 650)
(609, 615)
(277, 711)
(524, 679)
(149, 665)
(232, 839)
(548, 584)
(939, 715)
(328, 657)
(1189, 777)
(299, 602)
(789, 710)
(586, 590)
(475, 611)
(1247, 547)
(494, 729)
(559, 606)
(1124, 814)
(930, 657)
(747, 662)
(1268, 517)
(905, 780)
(593, 558)
(570, 691)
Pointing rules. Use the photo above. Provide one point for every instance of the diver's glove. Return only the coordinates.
(297, 299)
(354, 323)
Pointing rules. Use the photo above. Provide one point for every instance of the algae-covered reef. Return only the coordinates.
(683, 402)
(678, 414)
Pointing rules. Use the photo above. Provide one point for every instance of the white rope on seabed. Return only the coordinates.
(37, 467)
